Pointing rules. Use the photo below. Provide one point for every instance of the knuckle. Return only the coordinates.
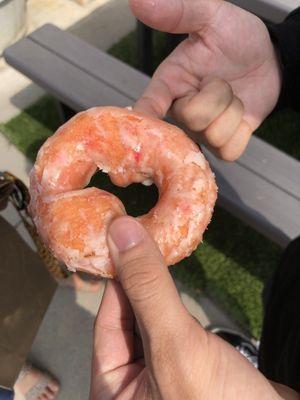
(152, 107)
(226, 86)
(215, 137)
(195, 118)
(239, 105)
(222, 86)
(227, 95)
(222, 96)
(227, 153)
(201, 110)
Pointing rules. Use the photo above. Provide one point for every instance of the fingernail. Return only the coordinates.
(125, 233)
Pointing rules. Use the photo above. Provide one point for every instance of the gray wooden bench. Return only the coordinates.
(262, 188)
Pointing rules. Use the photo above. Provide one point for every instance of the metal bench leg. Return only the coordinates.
(173, 41)
(145, 48)
(65, 112)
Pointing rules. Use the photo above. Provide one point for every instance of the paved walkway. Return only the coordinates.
(101, 23)
(64, 342)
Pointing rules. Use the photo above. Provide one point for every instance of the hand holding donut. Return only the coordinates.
(222, 81)
(173, 357)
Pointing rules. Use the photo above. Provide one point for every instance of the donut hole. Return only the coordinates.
(137, 198)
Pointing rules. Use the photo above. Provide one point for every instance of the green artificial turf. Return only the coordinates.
(28, 130)
(234, 261)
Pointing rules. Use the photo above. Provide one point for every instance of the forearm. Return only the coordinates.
(286, 38)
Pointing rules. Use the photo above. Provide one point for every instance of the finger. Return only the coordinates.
(113, 369)
(232, 150)
(169, 82)
(114, 330)
(199, 109)
(157, 98)
(175, 16)
(145, 279)
(224, 127)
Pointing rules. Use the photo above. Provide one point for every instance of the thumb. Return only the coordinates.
(144, 278)
(175, 16)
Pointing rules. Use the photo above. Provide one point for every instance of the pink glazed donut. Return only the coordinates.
(130, 147)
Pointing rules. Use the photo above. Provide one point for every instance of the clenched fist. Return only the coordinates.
(222, 81)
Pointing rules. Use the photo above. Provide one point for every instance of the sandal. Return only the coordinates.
(45, 386)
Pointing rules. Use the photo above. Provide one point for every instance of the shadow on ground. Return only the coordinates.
(63, 345)
(192, 279)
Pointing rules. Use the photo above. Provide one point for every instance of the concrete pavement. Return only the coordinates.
(100, 22)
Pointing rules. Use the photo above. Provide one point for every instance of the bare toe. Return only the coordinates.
(54, 386)
(36, 384)
(49, 394)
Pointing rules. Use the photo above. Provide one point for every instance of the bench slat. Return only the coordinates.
(66, 82)
(259, 203)
(100, 65)
(273, 165)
